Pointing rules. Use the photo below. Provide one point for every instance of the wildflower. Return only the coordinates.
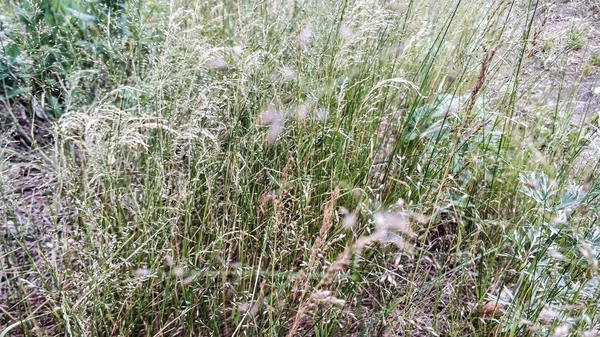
(589, 333)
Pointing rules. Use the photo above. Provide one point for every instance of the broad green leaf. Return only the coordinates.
(82, 16)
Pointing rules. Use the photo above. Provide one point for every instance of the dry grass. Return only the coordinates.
(323, 169)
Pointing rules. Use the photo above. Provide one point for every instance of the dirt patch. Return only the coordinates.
(564, 72)
(30, 215)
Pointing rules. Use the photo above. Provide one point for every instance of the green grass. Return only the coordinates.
(278, 168)
(575, 39)
(595, 60)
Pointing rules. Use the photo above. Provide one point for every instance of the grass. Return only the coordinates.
(595, 60)
(315, 168)
(575, 39)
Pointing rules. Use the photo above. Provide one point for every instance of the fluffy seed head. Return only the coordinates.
(305, 36)
(288, 73)
(561, 330)
(547, 315)
(141, 272)
(216, 64)
(345, 32)
(186, 281)
(393, 221)
(349, 221)
(269, 115)
(555, 255)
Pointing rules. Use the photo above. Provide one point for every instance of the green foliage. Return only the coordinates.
(575, 39)
(67, 43)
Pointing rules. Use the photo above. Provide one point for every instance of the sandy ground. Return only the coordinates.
(566, 66)
(563, 75)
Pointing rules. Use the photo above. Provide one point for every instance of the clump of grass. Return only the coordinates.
(575, 39)
(595, 60)
(204, 187)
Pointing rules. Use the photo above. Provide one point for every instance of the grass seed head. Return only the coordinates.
(345, 32)
(269, 115)
(188, 280)
(237, 50)
(561, 331)
(217, 64)
(588, 254)
(302, 111)
(393, 221)
(547, 315)
(178, 272)
(275, 129)
(305, 37)
(490, 309)
(555, 255)
(169, 261)
(142, 272)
